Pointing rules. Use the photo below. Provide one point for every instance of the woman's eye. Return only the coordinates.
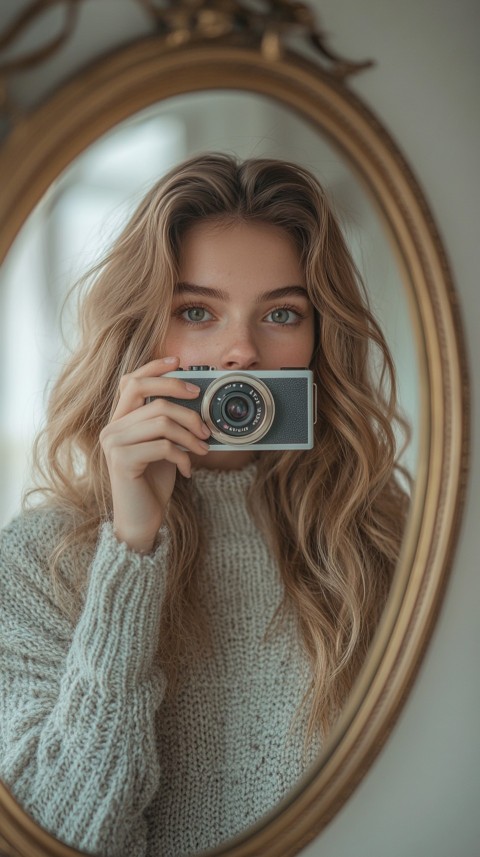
(196, 313)
(283, 316)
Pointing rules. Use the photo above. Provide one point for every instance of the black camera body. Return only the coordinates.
(268, 409)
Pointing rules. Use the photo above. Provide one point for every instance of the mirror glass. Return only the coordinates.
(84, 209)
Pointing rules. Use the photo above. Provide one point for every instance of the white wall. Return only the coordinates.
(421, 796)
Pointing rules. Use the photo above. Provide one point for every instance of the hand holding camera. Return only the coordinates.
(144, 446)
(193, 412)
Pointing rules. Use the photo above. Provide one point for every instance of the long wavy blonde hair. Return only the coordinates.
(334, 515)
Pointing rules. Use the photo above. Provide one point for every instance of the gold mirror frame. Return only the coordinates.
(44, 143)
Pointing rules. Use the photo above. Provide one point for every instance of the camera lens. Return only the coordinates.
(238, 408)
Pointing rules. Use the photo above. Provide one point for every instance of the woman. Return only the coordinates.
(180, 626)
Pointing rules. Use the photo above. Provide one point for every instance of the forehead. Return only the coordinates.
(240, 245)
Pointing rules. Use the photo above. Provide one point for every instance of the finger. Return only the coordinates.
(137, 457)
(135, 389)
(154, 368)
(156, 428)
(157, 367)
(164, 406)
(180, 414)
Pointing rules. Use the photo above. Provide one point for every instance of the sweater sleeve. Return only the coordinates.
(78, 703)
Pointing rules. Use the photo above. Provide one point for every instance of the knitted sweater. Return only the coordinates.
(89, 743)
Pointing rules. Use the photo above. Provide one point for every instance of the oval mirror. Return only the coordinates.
(150, 85)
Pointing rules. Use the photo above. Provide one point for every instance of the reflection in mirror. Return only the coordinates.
(79, 216)
(65, 234)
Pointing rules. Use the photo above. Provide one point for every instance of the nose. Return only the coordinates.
(239, 349)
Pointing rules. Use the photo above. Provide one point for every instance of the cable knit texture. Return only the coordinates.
(90, 744)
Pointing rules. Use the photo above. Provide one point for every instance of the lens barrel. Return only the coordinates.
(238, 409)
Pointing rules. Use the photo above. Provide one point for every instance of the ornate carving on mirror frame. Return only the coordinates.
(266, 23)
(223, 44)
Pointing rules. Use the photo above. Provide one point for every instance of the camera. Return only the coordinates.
(253, 410)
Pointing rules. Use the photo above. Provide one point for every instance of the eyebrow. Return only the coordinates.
(218, 294)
